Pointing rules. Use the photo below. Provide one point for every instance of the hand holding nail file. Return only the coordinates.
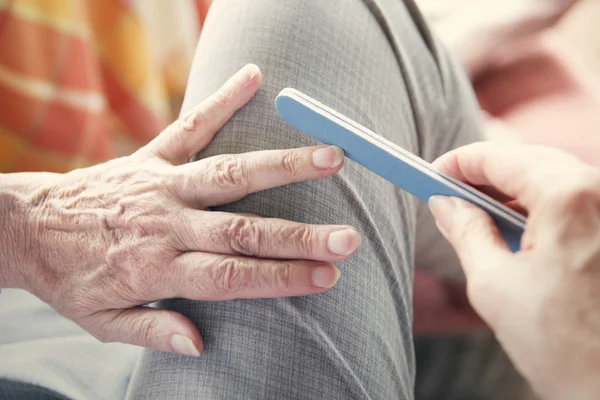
(393, 163)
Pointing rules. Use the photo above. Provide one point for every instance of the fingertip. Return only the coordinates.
(452, 215)
(455, 161)
(447, 164)
(325, 276)
(470, 230)
(252, 69)
(185, 338)
(336, 275)
(339, 157)
(253, 75)
(328, 158)
(184, 345)
(344, 242)
(196, 339)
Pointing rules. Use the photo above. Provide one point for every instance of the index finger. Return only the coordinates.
(523, 172)
(227, 178)
(192, 132)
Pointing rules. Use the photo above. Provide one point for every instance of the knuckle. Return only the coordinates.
(182, 231)
(196, 119)
(281, 276)
(179, 182)
(303, 237)
(290, 162)
(145, 329)
(221, 99)
(231, 275)
(173, 137)
(244, 236)
(179, 128)
(230, 172)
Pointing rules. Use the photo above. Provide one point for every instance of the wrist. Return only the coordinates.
(19, 193)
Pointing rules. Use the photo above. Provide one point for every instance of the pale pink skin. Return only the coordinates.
(542, 99)
(98, 243)
(477, 32)
(542, 303)
(541, 96)
(545, 98)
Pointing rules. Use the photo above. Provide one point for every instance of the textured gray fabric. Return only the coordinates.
(17, 390)
(376, 62)
(40, 348)
(372, 62)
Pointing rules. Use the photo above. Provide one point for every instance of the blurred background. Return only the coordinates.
(83, 81)
(581, 32)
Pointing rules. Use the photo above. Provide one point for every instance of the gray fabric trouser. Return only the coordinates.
(376, 62)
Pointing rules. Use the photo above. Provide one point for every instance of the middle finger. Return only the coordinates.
(228, 233)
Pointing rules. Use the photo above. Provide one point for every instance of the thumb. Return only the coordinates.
(148, 327)
(471, 231)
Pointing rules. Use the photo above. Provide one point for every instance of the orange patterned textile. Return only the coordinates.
(83, 81)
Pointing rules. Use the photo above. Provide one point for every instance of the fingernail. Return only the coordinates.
(253, 71)
(184, 345)
(325, 277)
(442, 208)
(328, 157)
(343, 242)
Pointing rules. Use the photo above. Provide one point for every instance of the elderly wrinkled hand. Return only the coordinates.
(99, 243)
(543, 302)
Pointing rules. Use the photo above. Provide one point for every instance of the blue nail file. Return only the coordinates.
(388, 160)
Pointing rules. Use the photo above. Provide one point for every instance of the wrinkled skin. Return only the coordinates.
(99, 243)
